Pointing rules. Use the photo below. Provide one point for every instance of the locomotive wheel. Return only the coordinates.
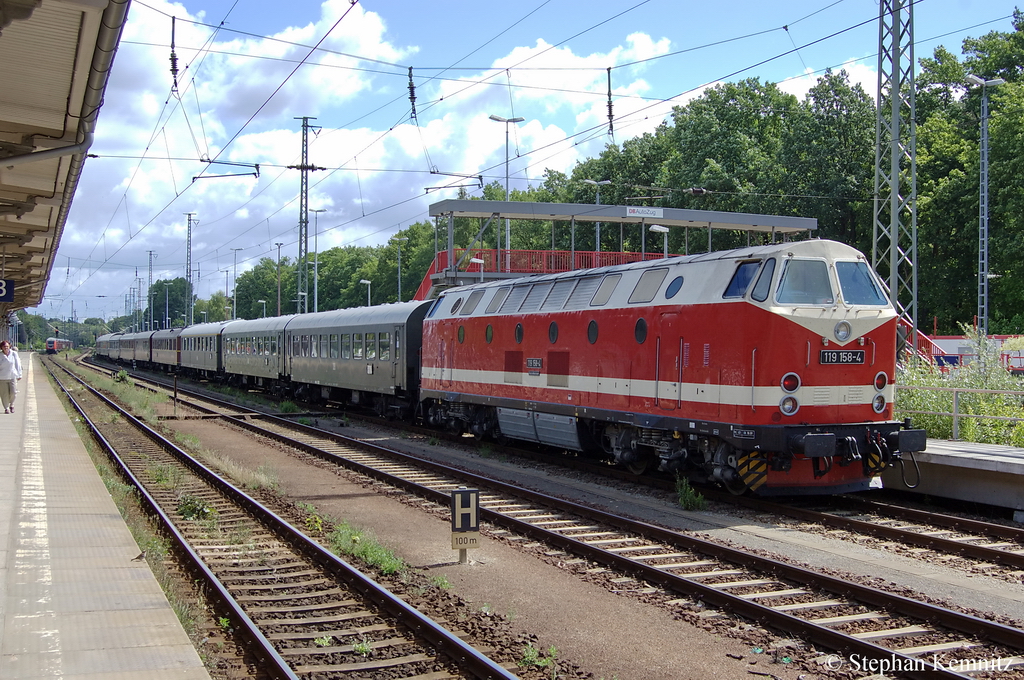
(638, 467)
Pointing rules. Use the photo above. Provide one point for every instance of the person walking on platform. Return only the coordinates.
(10, 374)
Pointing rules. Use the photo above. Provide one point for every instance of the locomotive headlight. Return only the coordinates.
(878, 403)
(843, 331)
(881, 380)
(790, 382)
(789, 405)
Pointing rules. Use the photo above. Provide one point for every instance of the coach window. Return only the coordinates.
(314, 340)
(741, 279)
(357, 345)
(553, 332)
(371, 345)
(519, 333)
(640, 331)
(346, 346)
(334, 346)
(592, 332)
(647, 287)
(273, 346)
(324, 340)
(384, 343)
(489, 333)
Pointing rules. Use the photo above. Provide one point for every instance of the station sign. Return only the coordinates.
(465, 519)
(6, 290)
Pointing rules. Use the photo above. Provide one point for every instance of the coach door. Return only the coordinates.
(669, 370)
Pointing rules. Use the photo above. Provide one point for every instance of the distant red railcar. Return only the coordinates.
(54, 345)
(767, 368)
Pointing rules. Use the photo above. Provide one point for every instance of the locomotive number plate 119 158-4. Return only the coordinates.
(842, 356)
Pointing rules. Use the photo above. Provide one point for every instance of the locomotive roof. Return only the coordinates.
(808, 248)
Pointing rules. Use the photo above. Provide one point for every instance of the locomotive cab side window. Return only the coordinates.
(857, 285)
(764, 281)
(741, 279)
(805, 282)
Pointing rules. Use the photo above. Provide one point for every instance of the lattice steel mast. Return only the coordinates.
(302, 265)
(894, 245)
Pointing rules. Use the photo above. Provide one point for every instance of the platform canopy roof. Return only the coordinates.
(55, 59)
(585, 212)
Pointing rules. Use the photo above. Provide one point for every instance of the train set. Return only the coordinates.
(767, 369)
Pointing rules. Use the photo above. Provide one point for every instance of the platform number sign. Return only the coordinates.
(465, 519)
(6, 290)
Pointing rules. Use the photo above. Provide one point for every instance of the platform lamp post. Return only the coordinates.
(983, 275)
(234, 286)
(316, 258)
(167, 307)
(203, 312)
(367, 284)
(264, 303)
(659, 229)
(597, 201)
(398, 242)
(279, 277)
(508, 229)
(477, 260)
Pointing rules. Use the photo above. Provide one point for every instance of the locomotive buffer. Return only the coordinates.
(465, 521)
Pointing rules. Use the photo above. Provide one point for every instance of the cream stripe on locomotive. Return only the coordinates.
(729, 395)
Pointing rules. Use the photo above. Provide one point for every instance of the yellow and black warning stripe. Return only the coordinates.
(753, 469)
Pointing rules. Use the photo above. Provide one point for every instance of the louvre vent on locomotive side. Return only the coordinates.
(768, 368)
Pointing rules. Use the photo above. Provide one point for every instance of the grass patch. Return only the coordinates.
(689, 499)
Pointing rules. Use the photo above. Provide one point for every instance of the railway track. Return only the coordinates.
(303, 611)
(886, 631)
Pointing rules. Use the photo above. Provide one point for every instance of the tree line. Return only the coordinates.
(753, 148)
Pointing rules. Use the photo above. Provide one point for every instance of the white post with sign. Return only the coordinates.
(465, 521)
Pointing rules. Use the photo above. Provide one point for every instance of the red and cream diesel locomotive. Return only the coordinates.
(767, 368)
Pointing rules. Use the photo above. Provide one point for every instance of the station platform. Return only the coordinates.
(73, 602)
(982, 473)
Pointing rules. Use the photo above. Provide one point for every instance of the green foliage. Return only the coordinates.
(689, 499)
(345, 539)
(194, 508)
(982, 372)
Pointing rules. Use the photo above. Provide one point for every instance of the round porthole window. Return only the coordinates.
(456, 305)
(553, 332)
(673, 287)
(519, 333)
(489, 333)
(592, 332)
(640, 331)
(462, 334)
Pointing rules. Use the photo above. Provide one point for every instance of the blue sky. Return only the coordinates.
(241, 89)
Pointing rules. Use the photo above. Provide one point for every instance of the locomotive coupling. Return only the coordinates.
(814, 444)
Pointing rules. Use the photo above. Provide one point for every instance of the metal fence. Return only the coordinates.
(956, 415)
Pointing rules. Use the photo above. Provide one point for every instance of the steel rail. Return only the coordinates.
(261, 647)
(937, 543)
(963, 623)
(445, 641)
